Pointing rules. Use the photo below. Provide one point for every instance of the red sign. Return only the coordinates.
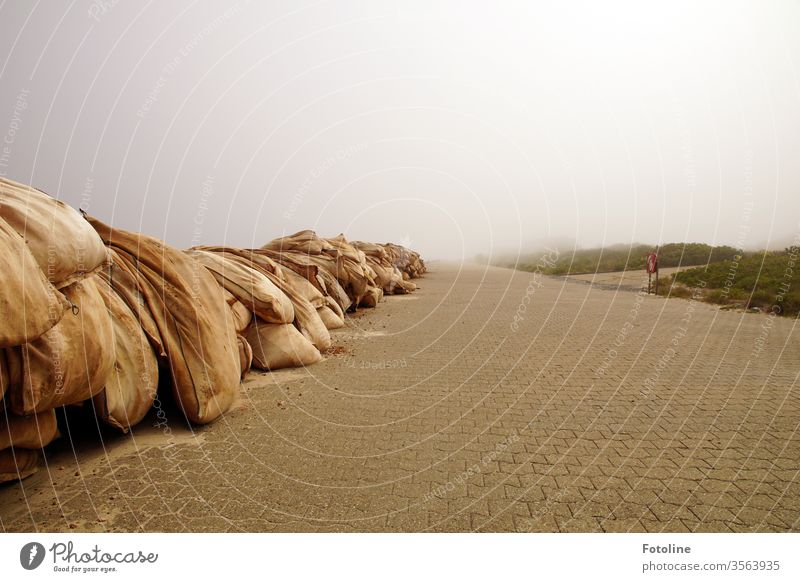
(652, 263)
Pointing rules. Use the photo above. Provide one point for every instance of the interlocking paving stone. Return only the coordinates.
(597, 411)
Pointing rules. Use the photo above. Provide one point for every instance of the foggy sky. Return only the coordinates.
(455, 127)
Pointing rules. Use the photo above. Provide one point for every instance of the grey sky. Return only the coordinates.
(458, 126)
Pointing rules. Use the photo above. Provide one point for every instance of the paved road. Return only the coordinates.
(491, 401)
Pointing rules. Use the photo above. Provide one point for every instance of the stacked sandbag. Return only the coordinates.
(44, 361)
(63, 244)
(387, 276)
(29, 304)
(27, 432)
(337, 257)
(17, 464)
(276, 346)
(192, 319)
(278, 299)
(249, 286)
(407, 261)
(301, 264)
(69, 363)
(132, 386)
(91, 315)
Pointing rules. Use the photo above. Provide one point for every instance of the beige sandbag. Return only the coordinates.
(278, 346)
(27, 432)
(334, 306)
(310, 269)
(68, 364)
(330, 318)
(372, 297)
(193, 320)
(253, 289)
(310, 323)
(306, 318)
(305, 241)
(123, 278)
(63, 244)
(133, 383)
(18, 464)
(305, 289)
(245, 355)
(242, 317)
(29, 304)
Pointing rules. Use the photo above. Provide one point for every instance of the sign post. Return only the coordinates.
(651, 264)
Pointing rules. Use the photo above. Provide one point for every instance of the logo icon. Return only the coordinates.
(31, 555)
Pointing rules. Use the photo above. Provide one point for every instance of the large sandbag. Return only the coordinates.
(133, 383)
(17, 464)
(27, 432)
(310, 269)
(124, 278)
(280, 346)
(303, 288)
(68, 364)
(245, 355)
(407, 261)
(350, 274)
(253, 289)
(305, 241)
(306, 318)
(63, 244)
(308, 321)
(372, 297)
(242, 317)
(192, 317)
(29, 304)
(330, 318)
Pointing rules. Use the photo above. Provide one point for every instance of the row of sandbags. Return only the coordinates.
(96, 316)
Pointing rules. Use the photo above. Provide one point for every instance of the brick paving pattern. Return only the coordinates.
(488, 401)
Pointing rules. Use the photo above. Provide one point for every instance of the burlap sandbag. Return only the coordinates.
(133, 383)
(306, 318)
(348, 273)
(63, 244)
(303, 288)
(17, 464)
(407, 261)
(253, 289)
(308, 321)
(68, 364)
(242, 317)
(330, 318)
(278, 346)
(192, 317)
(27, 432)
(124, 278)
(245, 355)
(29, 304)
(305, 241)
(304, 266)
(372, 297)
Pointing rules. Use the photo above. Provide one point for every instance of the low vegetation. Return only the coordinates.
(764, 280)
(624, 258)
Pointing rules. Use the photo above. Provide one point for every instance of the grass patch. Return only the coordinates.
(625, 258)
(769, 281)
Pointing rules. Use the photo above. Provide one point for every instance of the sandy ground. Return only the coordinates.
(491, 400)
